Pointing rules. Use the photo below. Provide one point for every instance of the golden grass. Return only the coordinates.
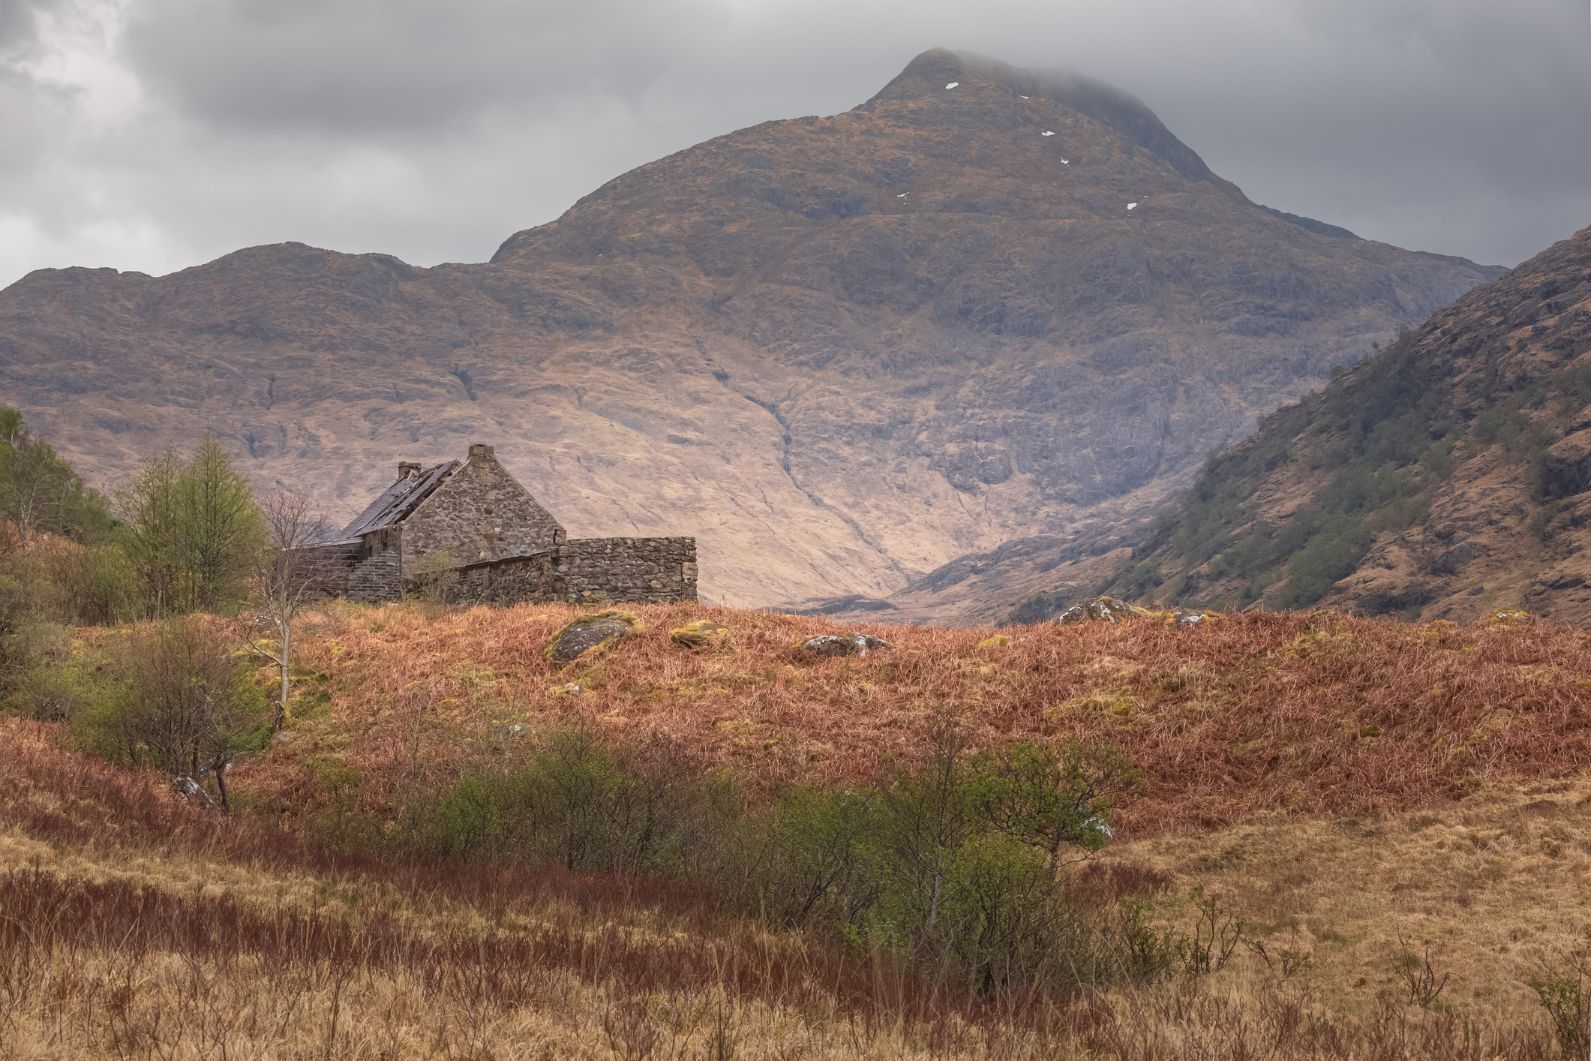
(1497, 884)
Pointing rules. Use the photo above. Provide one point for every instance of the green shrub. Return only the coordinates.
(948, 867)
(576, 803)
(99, 586)
(180, 699)
(46, 679)
(1566, 996)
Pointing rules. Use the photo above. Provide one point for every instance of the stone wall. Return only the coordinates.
(479, 513)
(368, 570)
(585, 571)
(627, 570)
(379, 577)
(510, 580)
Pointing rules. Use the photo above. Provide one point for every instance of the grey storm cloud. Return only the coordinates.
(161, 133)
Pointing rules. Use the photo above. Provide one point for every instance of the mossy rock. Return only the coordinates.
(589, 634)
(699, 634)
(1510, 615)
(995, 641)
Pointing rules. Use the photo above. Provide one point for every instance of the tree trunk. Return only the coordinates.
(220, 786)
(284, 628)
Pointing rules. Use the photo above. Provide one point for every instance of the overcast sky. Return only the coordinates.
(156, 134)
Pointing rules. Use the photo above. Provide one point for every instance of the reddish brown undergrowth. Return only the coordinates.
(1299, 714)
(72, 800)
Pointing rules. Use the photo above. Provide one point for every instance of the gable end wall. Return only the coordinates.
(480, 512)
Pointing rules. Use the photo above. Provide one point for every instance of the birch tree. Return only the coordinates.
(283, 583)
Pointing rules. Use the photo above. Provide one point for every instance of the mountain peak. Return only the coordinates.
(937, 68)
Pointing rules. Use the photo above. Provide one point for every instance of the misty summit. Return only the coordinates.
(470, 530)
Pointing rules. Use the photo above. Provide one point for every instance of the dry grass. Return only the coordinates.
(1345, 785)
(181, 937)
(1495, 884)
(1308, 714)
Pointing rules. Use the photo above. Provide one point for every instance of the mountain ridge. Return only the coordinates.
(842, 350)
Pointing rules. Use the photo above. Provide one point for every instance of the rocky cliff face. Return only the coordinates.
(842, 351)
(1449, 476)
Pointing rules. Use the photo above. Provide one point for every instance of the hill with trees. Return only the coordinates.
(1448, 476)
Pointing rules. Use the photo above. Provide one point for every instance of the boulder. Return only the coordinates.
(825, 645)
(1101, 610)
(588, 634)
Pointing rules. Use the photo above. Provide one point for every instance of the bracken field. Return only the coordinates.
(1352, 838)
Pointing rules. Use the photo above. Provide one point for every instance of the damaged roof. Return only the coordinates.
(398, 501)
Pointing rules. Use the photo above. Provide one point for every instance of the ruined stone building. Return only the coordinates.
(470, 530)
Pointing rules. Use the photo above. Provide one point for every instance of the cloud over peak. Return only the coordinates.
(152, 134)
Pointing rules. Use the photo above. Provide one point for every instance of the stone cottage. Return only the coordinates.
(472, 531)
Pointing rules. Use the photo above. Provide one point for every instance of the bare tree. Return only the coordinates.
(283, 583)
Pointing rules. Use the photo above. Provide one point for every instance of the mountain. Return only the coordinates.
(843, 351)
(1448, 476)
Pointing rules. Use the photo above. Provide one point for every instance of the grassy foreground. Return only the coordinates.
(1351, 790)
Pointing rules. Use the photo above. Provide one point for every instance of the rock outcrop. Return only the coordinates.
(828, 645)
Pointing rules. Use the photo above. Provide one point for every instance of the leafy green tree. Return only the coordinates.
(39, 492)
(194, 530)
(151, 512)
(224, 529)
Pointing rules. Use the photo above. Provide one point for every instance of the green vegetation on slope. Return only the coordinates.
(39, 492)
(1391, 444)
(1485, 388)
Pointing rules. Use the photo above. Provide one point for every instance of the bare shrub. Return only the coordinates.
(1283, 960)
(1213, 939)
(1423, 984)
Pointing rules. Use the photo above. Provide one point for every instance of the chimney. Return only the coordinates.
(408, 468)
(480, 451)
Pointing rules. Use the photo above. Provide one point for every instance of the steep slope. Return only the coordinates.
(842, 351)
(1447, 476)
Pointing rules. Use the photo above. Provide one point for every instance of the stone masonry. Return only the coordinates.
(479, 512)
(472, 532)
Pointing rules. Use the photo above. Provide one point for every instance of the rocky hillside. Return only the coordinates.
(1447, 476)
(983, 305)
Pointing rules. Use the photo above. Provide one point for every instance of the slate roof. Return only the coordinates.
(397, 501)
